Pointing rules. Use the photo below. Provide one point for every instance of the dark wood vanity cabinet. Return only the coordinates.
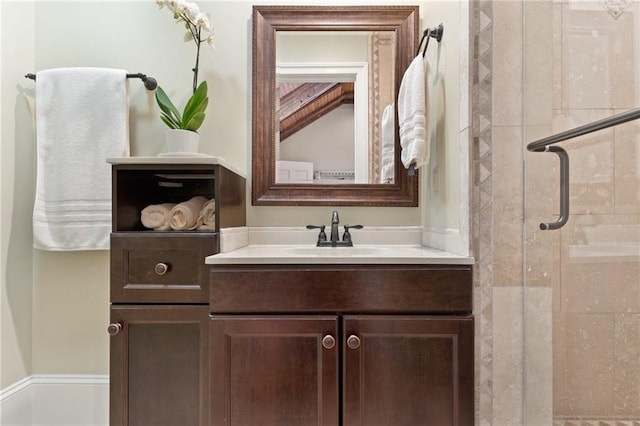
(159, 345)
(354, 345)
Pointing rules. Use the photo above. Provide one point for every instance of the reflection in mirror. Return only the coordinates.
(332, 88)
(325, 80)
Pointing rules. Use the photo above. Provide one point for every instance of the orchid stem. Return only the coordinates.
(195, 69)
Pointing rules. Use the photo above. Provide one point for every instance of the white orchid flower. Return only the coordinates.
(210, 40)
(173, 4)
(192, 10)
(202, 20)
(160, 4)
(187, 9)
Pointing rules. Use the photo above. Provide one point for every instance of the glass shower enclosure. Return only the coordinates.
(582, 281)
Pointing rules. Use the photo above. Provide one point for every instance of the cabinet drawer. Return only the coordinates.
(159, 268)
(348, 288)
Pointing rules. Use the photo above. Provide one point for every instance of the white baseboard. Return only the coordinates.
(56, 400)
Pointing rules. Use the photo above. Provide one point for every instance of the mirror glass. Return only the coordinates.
(325, 80)
(333, 91)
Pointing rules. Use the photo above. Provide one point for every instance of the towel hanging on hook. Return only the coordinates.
(426, 36)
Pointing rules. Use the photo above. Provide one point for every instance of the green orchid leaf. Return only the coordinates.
(166, 105)
(169, 122)
(197, 103)
(175, 123)
(195, 122)
(188, 115)
(194, 111)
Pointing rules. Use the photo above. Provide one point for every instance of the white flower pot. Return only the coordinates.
(182, 141)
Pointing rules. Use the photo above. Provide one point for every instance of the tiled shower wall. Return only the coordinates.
(559, 311)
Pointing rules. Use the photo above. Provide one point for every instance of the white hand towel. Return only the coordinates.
(388, 144)
(207, 218)
(413, 112)
(184, 216)
(82, 118)
(157, 216)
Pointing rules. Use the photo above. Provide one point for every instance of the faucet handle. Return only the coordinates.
(347, 235)
(322, 236)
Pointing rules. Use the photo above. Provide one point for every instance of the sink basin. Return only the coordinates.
(338, 251)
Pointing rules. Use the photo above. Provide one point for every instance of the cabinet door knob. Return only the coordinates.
(114, 328)
(161, 268)
(328, 341)
(353, 342)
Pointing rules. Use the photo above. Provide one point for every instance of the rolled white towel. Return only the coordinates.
(156, 216)
(207, 217)
(184, 216)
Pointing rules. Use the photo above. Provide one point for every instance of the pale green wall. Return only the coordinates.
(16, 198)
(55, 305)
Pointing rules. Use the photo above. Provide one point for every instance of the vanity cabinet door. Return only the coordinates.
(274, 370)
(408, 370)
(159, 365)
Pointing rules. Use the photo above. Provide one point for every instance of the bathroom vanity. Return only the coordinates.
(159, 346)
(276, 334)
(340, 336)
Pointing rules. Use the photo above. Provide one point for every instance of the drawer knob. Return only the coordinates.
(114, 328)
(161, 268)
(353, 342)
(328, 342)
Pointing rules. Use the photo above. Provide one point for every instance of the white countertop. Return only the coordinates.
(359, 254)
(191, 158)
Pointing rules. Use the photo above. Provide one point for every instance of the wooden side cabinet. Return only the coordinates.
(159, 348)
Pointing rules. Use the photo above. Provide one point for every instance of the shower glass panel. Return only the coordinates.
(582, 282)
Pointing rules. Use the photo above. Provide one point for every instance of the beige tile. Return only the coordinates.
(601, 264)
(507, 206)
(556, 22)
(583, 355)
(627, 365)
(542, 254)
(600, 287)
(507, 356)
(538, 63)
(538, 356)
(627, 167)
(507, 63)
(598, 54)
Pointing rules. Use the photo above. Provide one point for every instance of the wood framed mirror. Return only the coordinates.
(364, 185)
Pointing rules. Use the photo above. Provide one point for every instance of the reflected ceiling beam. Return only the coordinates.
(303, 103)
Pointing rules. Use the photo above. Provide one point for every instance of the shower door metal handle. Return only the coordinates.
(564, 189)
(544, 145)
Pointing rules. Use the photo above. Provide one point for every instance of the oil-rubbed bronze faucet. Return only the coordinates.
(335, 234)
